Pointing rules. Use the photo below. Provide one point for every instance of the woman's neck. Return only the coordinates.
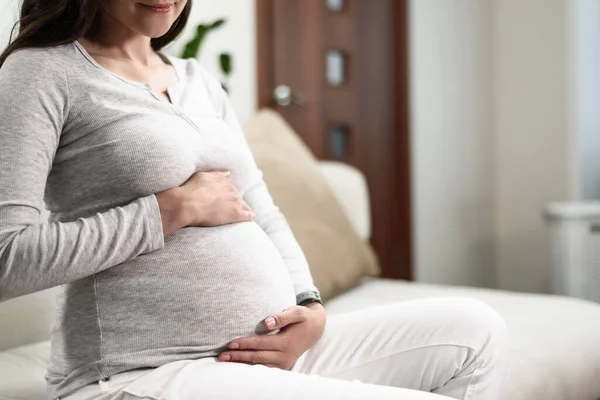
(110, 38)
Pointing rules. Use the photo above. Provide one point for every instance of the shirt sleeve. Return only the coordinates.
(267, 214)
(36, 254)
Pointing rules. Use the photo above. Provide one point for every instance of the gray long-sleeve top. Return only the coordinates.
(95, 148)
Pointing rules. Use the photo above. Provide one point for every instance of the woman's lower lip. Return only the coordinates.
(158, 9)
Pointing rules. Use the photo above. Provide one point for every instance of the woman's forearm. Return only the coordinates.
(35, 257)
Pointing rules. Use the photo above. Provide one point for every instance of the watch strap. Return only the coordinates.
(305, 298)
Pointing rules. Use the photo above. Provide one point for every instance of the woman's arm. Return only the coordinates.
(272, 221)
(35, 254)
(267, 214)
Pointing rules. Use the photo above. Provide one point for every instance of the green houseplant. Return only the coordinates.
(194, 46)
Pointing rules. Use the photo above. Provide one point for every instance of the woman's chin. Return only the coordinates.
(156, 35)
(155, 32)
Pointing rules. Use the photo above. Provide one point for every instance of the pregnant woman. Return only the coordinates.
(180, 278)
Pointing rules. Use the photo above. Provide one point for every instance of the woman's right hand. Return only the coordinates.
(206, 199)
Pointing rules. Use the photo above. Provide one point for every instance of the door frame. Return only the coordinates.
(400, 264)
(265, 53)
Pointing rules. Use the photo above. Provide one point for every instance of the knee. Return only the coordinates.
(484, 326)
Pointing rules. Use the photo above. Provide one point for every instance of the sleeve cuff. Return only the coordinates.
(155, 228)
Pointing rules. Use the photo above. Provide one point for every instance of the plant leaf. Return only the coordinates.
(193, 47)
(226, 62)
(217, 23)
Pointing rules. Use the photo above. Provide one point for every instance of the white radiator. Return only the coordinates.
(575, 244)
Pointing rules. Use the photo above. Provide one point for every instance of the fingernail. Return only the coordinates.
(234, 345)
(270, 322)
(226, 357)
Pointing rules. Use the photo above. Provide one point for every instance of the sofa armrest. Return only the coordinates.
(351, 191)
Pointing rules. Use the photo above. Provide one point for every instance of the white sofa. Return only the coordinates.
(554, 341)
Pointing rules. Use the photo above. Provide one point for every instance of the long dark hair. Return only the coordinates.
(48, 23)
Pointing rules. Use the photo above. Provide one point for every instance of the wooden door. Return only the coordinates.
(359, 114)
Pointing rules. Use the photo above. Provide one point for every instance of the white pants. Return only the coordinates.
(454, 347)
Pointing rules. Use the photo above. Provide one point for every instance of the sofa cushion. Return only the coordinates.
(22, 372)
(350, 189)
(337, 256)
(554, 345)
(26, 319)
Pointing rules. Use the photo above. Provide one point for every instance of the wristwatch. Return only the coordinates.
(305, 298)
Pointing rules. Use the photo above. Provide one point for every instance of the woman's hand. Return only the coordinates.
(206, 199)
(301, 327)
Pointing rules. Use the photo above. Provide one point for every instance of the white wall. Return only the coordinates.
(587, 91)
(237, 36)
(8, 16)
(531, 141)
(452, 141)
(492, 134)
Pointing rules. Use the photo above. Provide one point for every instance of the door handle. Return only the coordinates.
(285, 97)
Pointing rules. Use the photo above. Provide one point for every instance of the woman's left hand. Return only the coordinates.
(301, 327)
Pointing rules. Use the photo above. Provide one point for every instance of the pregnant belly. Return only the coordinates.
(206, 287)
